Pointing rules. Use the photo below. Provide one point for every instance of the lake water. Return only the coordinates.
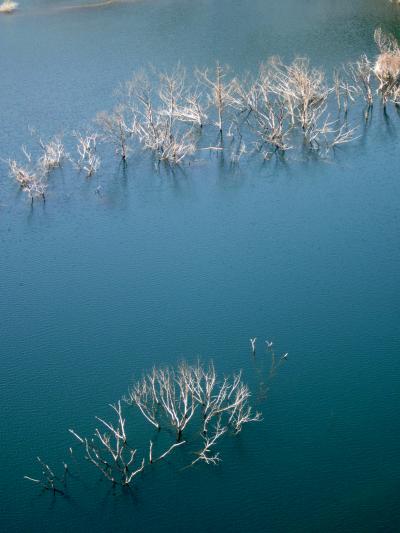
(96, 288)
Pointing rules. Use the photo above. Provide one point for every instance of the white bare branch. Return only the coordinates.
(110, 452)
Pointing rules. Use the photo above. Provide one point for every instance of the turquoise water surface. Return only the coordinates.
(96, 288)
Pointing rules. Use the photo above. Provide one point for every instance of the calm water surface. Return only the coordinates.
(96, 288)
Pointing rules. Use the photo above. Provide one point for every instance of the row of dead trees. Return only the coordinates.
(283, 107)
(190, 404)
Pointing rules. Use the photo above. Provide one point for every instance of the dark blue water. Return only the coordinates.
(160, 266)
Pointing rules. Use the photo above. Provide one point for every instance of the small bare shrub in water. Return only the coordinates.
(48, 479)
(30, 180)
(86, 147)
(31, 176)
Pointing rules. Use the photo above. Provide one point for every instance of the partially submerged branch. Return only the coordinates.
(49, 480)
(163, 455)
(109, 452)
(206, 454)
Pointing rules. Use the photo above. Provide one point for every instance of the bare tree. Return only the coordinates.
(157, 126)
(271, 126)
(303, 89)
(53, 154)
(109, 452)
(346, 89)
(49, 480)
(31, 180)
(180, 102)
(192, 110)
(230, 400)
(165, 394)
(32, 177)
(387, 65)
(86, 147)
(361, 73)
(264, 114)
(221, 93)
(115, 130)
(144, 395)
(385, 42)
(172, 396)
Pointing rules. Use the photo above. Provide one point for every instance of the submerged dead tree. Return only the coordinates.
(31, 180)
(268, 116)
(27, 179)
(387, 66)
(191, 400)
(115, 130)
(302, 88)
(292, 106)
(220, 92)
(110, 452)
(167, 398)
(52, 153)
(48, 479)
(86, 147)
(170, 397)
(32, 176)
(361, 74)
(160, 117)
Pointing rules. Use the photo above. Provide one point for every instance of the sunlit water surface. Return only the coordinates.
(159, 266)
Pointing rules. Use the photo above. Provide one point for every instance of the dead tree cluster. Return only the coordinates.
(159, 119)
(32, 175)
(283, 107)
(188, 405)
(166, 116)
